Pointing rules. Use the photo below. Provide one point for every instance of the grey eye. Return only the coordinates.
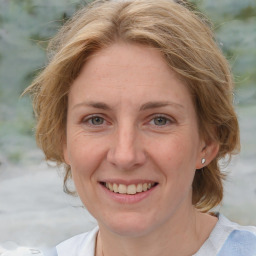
(160, 121)
(97, 120)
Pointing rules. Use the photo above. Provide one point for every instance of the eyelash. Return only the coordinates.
(168, 120)
(89, 120)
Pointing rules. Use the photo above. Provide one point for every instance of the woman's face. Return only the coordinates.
(131, 125)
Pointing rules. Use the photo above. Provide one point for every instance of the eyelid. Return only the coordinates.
(169, 119)
(85, 120)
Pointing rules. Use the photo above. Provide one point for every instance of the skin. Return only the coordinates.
(114, 133)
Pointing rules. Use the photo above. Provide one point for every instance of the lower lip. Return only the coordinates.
(128, 199)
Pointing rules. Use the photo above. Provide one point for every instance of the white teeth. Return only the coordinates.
(139, 188)
(115, 187)
(122, 189)
(130, 189)
(110, 187)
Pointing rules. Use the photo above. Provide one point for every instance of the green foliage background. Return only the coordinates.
(27, 25)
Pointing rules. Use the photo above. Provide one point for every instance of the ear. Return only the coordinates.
(208, 152)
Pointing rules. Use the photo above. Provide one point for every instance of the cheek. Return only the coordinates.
(171, 151)
(84, 161)
(83, 155)
(87, 157)
(177, 160)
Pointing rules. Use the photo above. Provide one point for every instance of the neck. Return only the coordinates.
(189, 229)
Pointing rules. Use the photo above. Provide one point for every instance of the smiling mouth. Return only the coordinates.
(131, 189)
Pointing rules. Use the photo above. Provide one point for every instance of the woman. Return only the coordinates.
(136, 103)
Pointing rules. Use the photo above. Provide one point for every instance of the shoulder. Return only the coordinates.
(229, 238)
(83, 244)
(241, 241)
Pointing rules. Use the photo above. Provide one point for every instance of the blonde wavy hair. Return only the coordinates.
(186, 41)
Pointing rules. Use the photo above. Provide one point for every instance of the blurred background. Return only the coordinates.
(33, 209)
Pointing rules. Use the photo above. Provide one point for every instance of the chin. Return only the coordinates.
(130, 224)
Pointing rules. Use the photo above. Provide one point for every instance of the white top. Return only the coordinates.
(226, 239)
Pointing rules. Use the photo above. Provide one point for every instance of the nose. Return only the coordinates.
(127, 150)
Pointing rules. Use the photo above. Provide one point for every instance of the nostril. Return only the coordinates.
(125, 158)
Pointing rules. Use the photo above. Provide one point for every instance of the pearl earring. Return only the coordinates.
(203, 160)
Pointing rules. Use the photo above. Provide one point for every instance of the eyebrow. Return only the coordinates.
(145, 106)
(99, 105)
(159, 104)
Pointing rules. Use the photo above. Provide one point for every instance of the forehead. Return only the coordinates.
(129, 72)
(123, 56)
